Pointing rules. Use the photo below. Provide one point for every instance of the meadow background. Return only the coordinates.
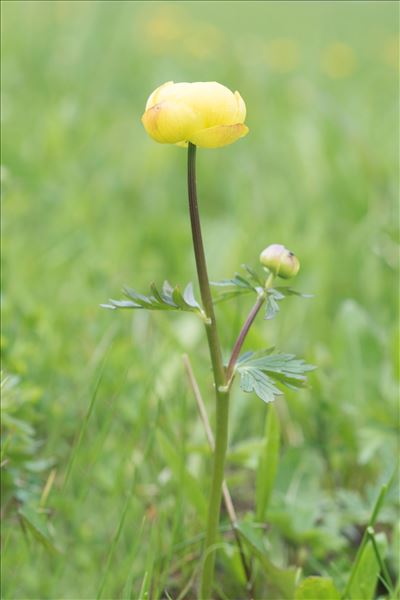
(105, 464)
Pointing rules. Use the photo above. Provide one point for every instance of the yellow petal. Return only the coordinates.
(215, 102)
(241, 108)
(221, 135)
(154, 98)
(170, 122)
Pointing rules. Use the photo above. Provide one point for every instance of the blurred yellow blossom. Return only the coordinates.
(206, 114)
(282, 54)
(390, 52)
(338, 60)
(170, 28)
(203, 41)
(164, 26)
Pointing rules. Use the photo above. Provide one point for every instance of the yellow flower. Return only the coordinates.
(282, 54)
(206, 114)
(338, 60)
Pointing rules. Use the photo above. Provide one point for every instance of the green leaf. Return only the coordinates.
(254, 380)
(156, 293)
(139, 299)
(317, 588)
(254, 276)
(272, 306)
(36, 524)
(281, 581)
(379, 543)
(288, 291)
(236, 281)
(176, 462)
(231, 294)
(120, 304)
(169, 298)
(37, 466)
(239, 285)
(268, 463)
(279, 366)
(366, 560)
(188, 296)
(135, 549)
(259, 372)
(178, 299)
(275, 295)
(144, 588)
(366, 576)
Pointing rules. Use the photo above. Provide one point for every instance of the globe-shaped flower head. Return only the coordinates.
(206, 114)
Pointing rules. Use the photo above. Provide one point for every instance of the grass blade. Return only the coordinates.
(114, 544)
(193, 490)
(82, 431)
(144, 588)
(268, 463)
(282, 581)
(317, 588)
(365, 557)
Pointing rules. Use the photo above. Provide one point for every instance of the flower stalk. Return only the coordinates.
(221, 395)
(230, 509)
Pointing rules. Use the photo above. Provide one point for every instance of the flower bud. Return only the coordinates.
(280, 261)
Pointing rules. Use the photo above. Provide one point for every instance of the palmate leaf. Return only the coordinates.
(168, 298)
(275, 295)
(260, 372)
(254, 277)
(239, 285)
(252, 282)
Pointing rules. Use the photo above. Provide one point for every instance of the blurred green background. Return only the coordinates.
(90, 203)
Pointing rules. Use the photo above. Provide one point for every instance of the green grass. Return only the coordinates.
(90, 203)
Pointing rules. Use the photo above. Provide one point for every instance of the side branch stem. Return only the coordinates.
(246, 327)
(242, 335)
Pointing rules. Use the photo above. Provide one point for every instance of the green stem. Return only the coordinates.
(221, 395)
(246, 327)
(242, 335)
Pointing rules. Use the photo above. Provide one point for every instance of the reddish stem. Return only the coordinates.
(242, 335)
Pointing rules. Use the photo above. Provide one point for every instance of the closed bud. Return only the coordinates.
(280, 261)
